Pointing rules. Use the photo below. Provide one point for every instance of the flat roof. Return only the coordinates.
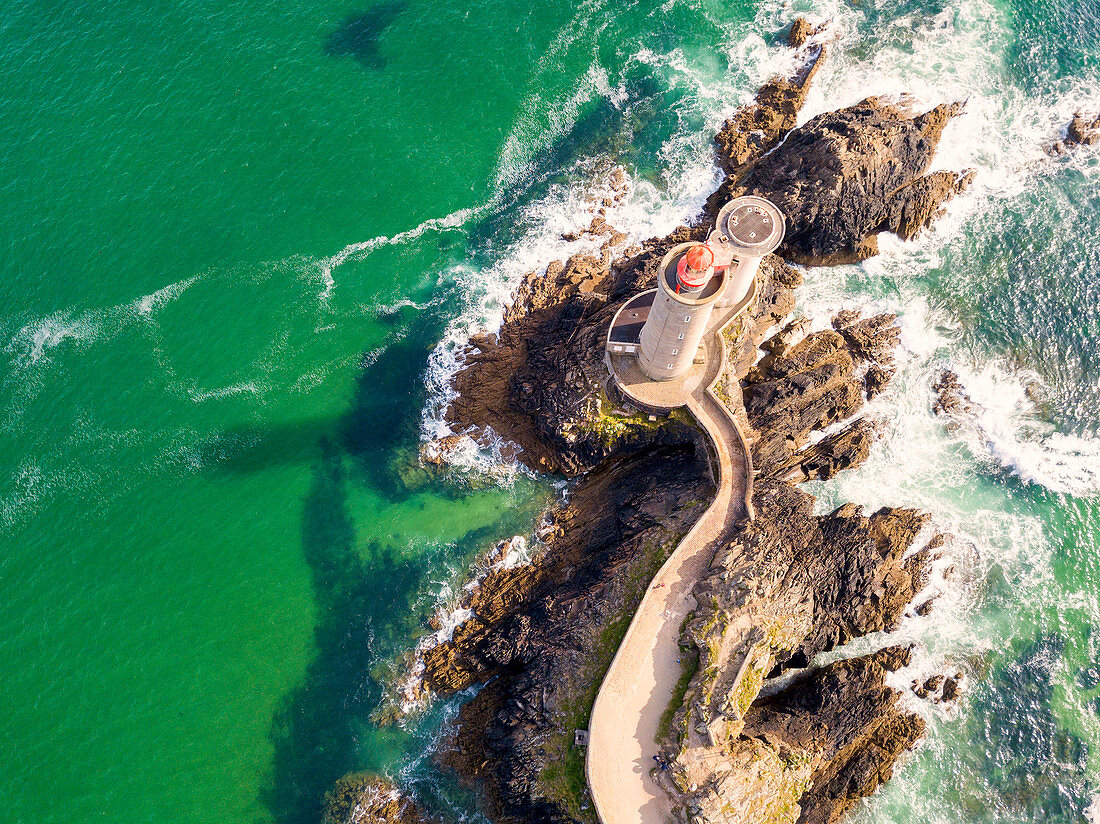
(751, 224)
(628, 322)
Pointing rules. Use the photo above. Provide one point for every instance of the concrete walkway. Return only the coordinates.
(639, 684)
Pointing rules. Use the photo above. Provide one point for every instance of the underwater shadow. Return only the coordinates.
(315, 730)
(380, 431)
(364, 592)
(360, 34)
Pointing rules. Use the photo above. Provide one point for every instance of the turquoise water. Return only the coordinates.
(241, 248)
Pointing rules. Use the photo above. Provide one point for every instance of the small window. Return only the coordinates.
(670, 366)
(681, 336)
(687, 318)
(676, 351)
(617, 348)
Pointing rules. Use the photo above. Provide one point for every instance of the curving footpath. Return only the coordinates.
(639, 684)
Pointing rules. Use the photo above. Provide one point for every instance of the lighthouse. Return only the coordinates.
(688, 287)
(662, 328)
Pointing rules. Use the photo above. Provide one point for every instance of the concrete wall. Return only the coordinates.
(739, 277)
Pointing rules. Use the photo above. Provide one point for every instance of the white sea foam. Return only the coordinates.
(357, 251)
(201, 395)
(33, 342)
(150, 303)
(1008, 429)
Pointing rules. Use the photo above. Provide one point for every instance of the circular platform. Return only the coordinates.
(752, 225)
(648, 394)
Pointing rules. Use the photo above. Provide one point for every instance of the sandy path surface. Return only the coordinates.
(640, 682)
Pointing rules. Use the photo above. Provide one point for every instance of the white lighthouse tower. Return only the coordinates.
(687, 290)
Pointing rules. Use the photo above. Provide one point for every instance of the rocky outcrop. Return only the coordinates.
(789, 586)
(541, 382)
(1083, 130)
(758, 127)
(784, 587)
(858, 748)
(542, 660)
(951, 398)
(846, 176)
(798, 388)
(361, 798)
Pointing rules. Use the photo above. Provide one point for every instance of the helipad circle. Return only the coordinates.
(751, 224)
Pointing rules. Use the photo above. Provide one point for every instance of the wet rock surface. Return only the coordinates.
(867, 734)
(799, 388)
(361, 798)
(951, 398)
(784, 587)
(758, 127)
(1083, 130)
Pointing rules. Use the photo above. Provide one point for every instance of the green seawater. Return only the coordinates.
(242, 245)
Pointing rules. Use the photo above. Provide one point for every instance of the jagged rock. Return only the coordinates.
(797, 389)
(1083, 130)
(808, 388)
(845, 567)
(864, 743)
(845, 176)
(950, 690)
(360, 798)
(846, 449)
(869, 339)
(783, 587)
(758, 127)
(801, 31)
(787, 586)
(876, 379)
(951, 397)
(807, 752)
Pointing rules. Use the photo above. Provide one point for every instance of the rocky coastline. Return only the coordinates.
(754, 732)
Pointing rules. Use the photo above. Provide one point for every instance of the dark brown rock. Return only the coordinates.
(950, 690)
(876, 379)
(846, 449)
(757, 128)
(1083, 130)
(541, 638)
(951, 398)
(846, 715)
(848, 175)
(869, 339)
(845, 568)
(540, 382)
(544, 654)
(809, 387)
